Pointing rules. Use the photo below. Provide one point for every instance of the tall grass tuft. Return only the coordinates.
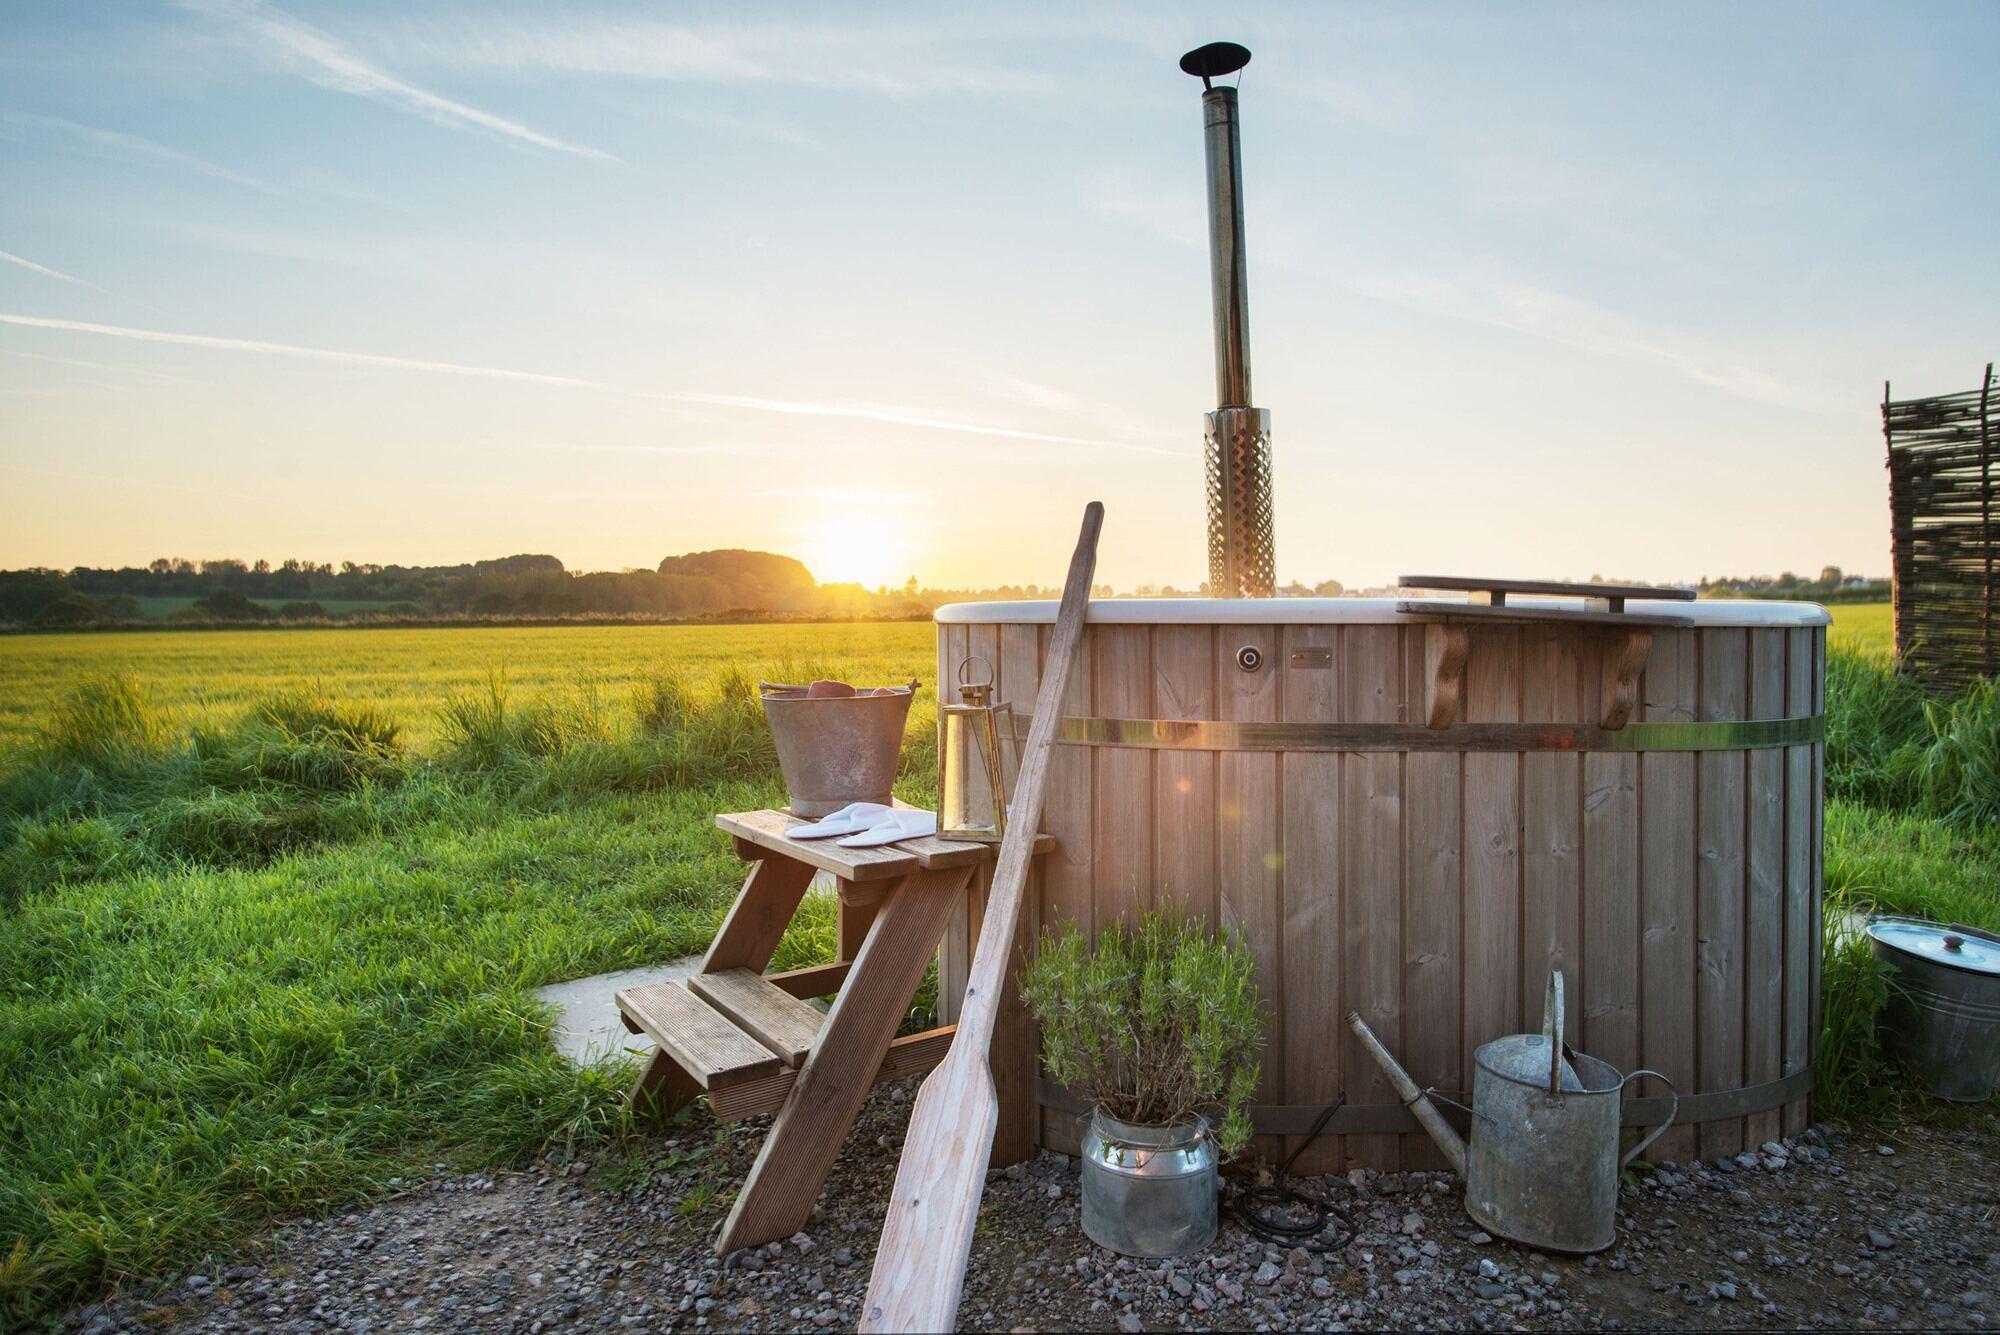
(1852, 1078)
(108, 721)
(708, 731)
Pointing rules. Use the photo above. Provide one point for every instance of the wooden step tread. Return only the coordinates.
(762, 1009)
(913, 1054)
(707, 1046)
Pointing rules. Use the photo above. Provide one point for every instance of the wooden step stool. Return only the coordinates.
(751, 1042)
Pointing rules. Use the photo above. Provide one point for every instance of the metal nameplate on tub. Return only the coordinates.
(1312, 658)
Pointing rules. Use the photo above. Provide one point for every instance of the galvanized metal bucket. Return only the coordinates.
(1149, 1190)
(834, 750)
(1943, 1014)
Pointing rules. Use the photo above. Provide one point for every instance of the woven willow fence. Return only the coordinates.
(1942, 509)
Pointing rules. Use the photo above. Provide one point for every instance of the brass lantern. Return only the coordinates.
(981, 757)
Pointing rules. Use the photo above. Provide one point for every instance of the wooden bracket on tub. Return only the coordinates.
(1446, 646)
(1622, 667)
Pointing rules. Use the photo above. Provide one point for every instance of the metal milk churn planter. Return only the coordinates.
(1543, 1165)
(1943, 1013)
(1149, 1190)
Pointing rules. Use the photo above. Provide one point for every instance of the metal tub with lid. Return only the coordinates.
(1943, 1013)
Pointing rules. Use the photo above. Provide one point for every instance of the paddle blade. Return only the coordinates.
(927, 1234)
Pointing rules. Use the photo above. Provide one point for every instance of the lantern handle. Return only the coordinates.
(967, 662)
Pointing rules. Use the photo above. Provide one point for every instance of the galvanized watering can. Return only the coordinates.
(1543, 1165)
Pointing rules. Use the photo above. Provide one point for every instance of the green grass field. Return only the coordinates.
(1864, 626)
(409, 673)
(273, 903)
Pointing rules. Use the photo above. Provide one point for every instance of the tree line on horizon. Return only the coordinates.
(732, 583)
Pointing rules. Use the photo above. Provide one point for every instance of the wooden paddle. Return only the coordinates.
(920, 1264)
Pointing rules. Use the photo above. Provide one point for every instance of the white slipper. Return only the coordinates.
(896, 825)
(850, 819)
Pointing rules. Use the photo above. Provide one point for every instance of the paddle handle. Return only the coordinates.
(1024, 812)
(927, 1230)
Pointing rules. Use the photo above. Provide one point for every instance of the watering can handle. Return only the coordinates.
(1552, 1026)
(1673, 1110)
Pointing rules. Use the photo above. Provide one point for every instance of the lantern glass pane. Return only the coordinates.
(967, 809)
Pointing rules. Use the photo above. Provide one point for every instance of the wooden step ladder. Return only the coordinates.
(753, 1044)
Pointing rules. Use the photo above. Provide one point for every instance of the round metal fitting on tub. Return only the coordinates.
(1149, 1190)
(1249, 658)
(1943, 1014)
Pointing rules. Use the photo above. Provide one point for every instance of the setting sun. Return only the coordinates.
(870, 549)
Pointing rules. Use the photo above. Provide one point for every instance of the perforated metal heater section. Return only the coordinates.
(1237, 448)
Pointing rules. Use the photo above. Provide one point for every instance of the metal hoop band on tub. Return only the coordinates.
(1211, 735)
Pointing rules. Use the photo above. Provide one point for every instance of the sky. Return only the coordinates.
(1535, 290)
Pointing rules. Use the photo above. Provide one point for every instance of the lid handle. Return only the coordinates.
(1953, 941)
(1552, 1025)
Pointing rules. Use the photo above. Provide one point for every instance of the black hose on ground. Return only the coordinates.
(1282, 1214)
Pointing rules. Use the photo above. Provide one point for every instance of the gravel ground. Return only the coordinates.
(1823, 1231)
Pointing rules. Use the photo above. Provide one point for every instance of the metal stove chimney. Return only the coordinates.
(1238, 436)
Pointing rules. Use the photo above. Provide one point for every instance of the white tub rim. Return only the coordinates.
(1351, 611)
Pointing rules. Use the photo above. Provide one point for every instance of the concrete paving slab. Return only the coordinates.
(587, 1025)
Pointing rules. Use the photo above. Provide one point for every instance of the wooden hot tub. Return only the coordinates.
(1431, 876)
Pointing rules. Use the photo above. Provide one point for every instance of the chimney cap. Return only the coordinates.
(1215, 60)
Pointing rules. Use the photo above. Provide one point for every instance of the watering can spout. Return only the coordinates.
(1413, 1098)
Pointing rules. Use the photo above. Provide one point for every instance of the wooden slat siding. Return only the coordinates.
(1492, 911)
(1666, 881)
(1818, 808)
(1015, 1055)
(1433, 878)
(1604, 992)
(1247, 802)
(1802, 940)
(1611, 908)
(1551, 831)
(1013, 1058)
(1311, 1059)
(1123, 858)
(964, 931)
(1764, 889)
(1184, 791)
(954, 953)
(1719, 894)
(1068, 813)
(1371, 878)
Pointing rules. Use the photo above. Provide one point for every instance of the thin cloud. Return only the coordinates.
(900, 60)
(320, 57)
(843, 496)
(140, 371)
(611, 447)
(378, 360)
(1174, 216)
(47, 272)
(127, 480)
(771, 132)
(116, 146)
